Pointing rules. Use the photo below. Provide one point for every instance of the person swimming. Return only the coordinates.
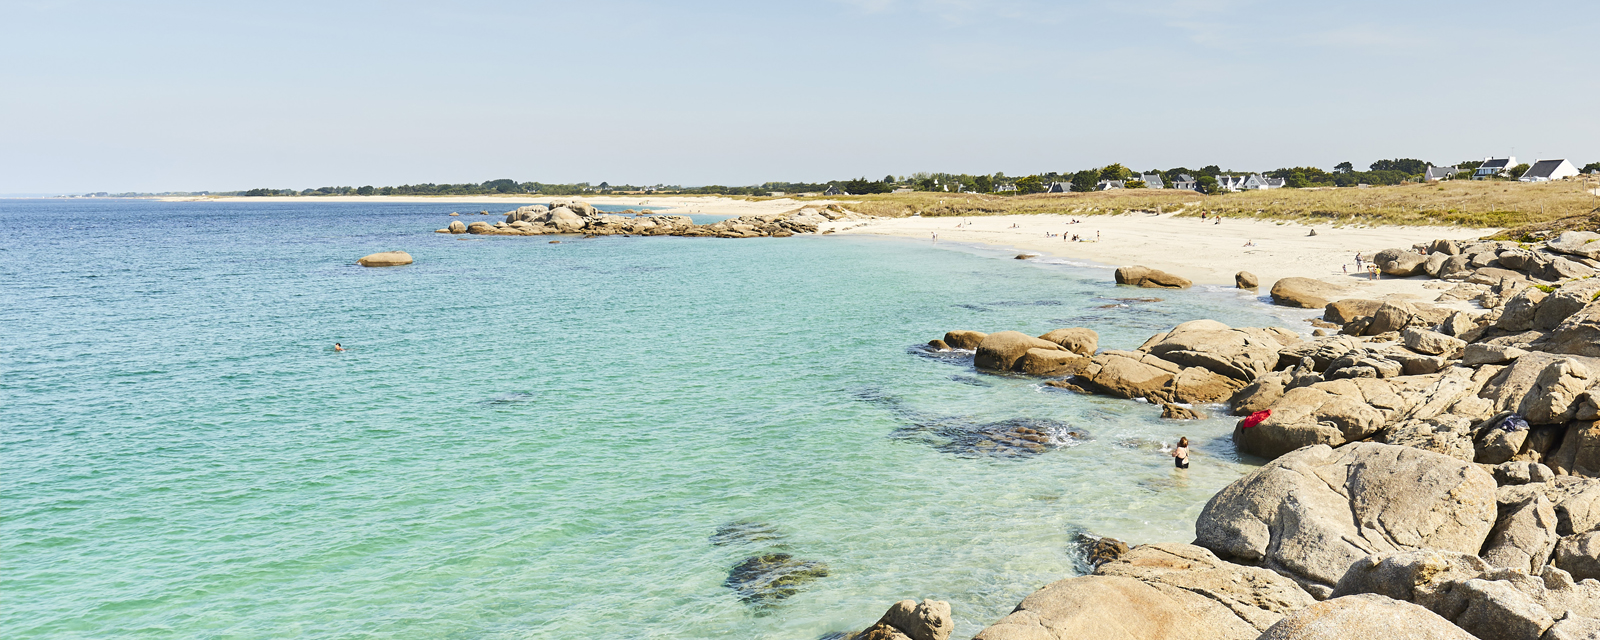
(1180, 454)
(338, 347)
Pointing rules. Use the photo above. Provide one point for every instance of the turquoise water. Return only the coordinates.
(534, 440)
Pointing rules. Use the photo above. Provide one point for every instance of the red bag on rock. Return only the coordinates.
(1255, 418)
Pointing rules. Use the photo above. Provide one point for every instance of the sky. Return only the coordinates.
(184, 96)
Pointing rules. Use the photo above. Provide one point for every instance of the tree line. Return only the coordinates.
(1382, 172)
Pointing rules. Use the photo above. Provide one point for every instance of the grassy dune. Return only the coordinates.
(1470, 204)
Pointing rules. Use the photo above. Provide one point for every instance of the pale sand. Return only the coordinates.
(708, 205)
(1204, 252)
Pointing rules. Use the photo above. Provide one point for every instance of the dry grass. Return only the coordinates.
(1470, 204)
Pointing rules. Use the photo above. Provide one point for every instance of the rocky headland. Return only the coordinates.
(572, 217)
(1433, 468)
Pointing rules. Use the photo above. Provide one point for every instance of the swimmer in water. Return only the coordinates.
(338, 347)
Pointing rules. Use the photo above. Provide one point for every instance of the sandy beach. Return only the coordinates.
(708, 205)
(1203, 251)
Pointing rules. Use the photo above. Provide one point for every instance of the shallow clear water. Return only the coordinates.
(540, 440)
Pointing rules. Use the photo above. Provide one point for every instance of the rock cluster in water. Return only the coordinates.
(563, 217)
(1434, 472)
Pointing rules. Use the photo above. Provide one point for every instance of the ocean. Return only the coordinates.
(536, 440)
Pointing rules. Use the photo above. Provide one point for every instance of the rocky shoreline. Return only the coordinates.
(1433, 473)
(572, 217)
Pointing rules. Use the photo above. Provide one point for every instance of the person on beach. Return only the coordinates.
(338, 347)
(1249, 243)
(1180, 454)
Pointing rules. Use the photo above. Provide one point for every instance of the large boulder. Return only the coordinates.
(1362, 617)
(1578, 334)
(1579, 555)
(1491, 603)
(1000, 351)
(1164, 591)
(1524, 536)
(1304, 416)
(1311, 513)
(1578, 243)
(1304, 293)
(385, 259)
(1050, 362)
(1516, 387)
(1521, 310)
(1075, 339)
(1399, 262)
(480, 228)
(1127, 374)
(1579, 454)
(1241, 354)
(1392, 316)
(1151, 278)
(565, 220)
(457, 227)
(965, 340)
(1246, 280)
(910, 620)
(1570, 298)
(1554, 396)
(1432, 342)
(1343, 311)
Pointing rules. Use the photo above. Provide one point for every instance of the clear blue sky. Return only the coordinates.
(224, 95)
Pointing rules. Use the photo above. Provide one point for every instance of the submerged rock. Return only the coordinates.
(766, 579)
(743, 532)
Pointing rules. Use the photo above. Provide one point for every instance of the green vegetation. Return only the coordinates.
(1482, 204)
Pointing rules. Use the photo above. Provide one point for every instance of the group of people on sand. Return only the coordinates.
(1373, 273)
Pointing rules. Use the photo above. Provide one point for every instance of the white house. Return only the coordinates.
(1438, 173)
(1152, 181)
(1492, 167)
(1547, 170)
(1252, 182)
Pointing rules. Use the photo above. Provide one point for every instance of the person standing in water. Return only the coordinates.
(1180, 454)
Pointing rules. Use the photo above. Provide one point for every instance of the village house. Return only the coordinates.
(1492, 167)
(1251, 182)
(1152, 181)
(1107, 185)
(1059, 187)
(1547, 170)
(1186, 182)
(834, 190)
(1435, 174)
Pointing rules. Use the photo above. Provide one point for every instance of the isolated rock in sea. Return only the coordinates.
(385, 259)
(1140, 276)
(768, 578)
(457, 227)
(1171, 411)
(480, 228)
(909, 620)
(1311, 513)
(1075, 339)
(964, 340)
(1246, 280)
(938, 345)
(1304, 293)
(1365, 616)
(1026, 256)
(1155, 591)
(1000, 351)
